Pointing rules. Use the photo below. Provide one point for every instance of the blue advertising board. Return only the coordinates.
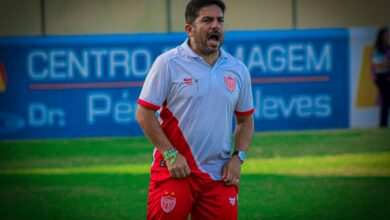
(299, 78)
(87, 86)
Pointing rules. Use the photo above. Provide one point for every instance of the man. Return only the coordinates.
(380, 63)
(197, 88)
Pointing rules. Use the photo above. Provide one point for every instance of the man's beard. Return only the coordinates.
(203, 47)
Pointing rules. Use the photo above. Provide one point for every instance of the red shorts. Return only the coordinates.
(196, 194)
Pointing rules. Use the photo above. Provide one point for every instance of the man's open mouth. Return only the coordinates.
(214, 37)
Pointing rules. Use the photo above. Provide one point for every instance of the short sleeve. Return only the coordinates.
(156, 85)
(244, 104)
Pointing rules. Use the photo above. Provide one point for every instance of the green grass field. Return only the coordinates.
(330, 174)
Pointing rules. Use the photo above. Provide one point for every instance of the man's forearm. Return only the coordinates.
(243, 133)
(177, 164)
(150, 125)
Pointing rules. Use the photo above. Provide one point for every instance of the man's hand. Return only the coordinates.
(180, 168)
(231, 171)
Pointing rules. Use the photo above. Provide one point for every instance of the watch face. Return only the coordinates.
(242, 155)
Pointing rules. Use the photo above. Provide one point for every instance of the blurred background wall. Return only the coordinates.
(62, 17)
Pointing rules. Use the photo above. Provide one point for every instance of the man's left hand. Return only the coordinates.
(231, 171)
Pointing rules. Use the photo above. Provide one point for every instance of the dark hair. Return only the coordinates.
(379, 40)
(193, 7)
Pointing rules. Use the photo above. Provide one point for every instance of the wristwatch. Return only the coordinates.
(241, 155)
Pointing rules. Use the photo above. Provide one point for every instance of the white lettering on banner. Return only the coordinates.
(99, 104)
(278, 63)
(66, 64)
(291, 58)
(137, 54)
(57, 59)
(33, 71)
(39, 115)
(256, 59)
(103, 105)
(119, 59)
(323, 62)
(301, 106)
(81, 64)
(124, 110)
(99, 62)
(295, 58)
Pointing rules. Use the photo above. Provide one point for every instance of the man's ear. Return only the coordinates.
(188, 29)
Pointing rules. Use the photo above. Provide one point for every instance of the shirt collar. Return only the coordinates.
(191, 53)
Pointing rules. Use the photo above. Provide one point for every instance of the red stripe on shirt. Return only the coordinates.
(245, 113)
(170, 126)
(148, 104)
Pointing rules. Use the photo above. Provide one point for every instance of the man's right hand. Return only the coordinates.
(180, 168)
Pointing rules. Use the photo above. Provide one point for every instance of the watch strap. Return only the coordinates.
(237, 152)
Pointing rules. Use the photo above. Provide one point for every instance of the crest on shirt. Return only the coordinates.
(168, 202)
(232, 201)
(230, 82)
(187, 80)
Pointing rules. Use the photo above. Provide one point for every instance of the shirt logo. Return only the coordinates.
(232, 201)
(168, 202)
(230, 83)
(187, 81)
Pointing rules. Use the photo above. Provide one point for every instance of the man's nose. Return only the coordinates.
(216, 24)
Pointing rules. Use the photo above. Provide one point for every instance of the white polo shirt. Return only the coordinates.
(202, 99)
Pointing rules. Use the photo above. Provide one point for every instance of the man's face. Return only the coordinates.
(208, 29)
